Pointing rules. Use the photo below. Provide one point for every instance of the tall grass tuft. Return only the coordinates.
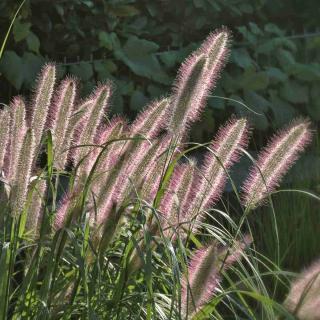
(114, 222)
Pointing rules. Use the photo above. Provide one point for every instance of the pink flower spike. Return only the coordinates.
(196, 78)
(151, 120)
(18, 130)
(21, 179)
(303, 299)
(4, 136)
(225, 150)
(59, 117)
(42, 100)
(204, 274)
(274, 161)
(88, 127)
(65, 208)
(176, 196)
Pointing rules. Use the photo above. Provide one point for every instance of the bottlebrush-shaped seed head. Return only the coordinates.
(152, 179)
(59, 117)
(42, 100)
(78, 121)
(177, 194)
(225, 150)
(66, 208)
(87, 128)
(196, 77)
(303, 299)
(4, 135)
(152, 120)
(106, 133)
(19, 188)
(109, 149)
(18, 130)
(185, 100)
(35, 210)
(141, 162)
(274, 161)
(204, 274)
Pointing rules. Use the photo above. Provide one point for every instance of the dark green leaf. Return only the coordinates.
(11, 67)
(251, 80)
(33, 42)
(82, 70)
(282, 111)
(294, 92)
(138, 55)
(276, 74)
(21, 30)
(105, 40)
(137, 100)
(241, 57)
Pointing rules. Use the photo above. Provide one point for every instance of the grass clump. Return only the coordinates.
(105, 219)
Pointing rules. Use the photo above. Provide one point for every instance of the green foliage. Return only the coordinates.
(140, 43)
(103, 249)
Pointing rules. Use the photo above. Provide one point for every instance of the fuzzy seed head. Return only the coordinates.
(225, 150)
(59, 118)
(204, 273)
(42, 100)
(35, 211)
(303, 299)
(22, 176)
(196, 78)
(18, 130)
(4, 135)
(274, 161)
(176, 197)
(89, 126)
(152, 120)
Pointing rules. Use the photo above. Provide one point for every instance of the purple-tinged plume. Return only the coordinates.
(225, 150)
(152, 120)
(21, 179)
(87, 128)
(196, 78)
(138, 160)
(204, 274)
(106, 133)
(303, 299)
(274, 161)
(42, 100)
(58, 120)
(176, 196)
(36, 208)
(18, 130)
(4, 135)
(65, 209)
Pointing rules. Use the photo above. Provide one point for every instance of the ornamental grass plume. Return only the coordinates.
(36, 207)
(152, 119)
(41, 102)
(303, 300)
(88, 127)
(125, 169)
(196, 77)
(204, 274)
(142, 168)
(59, 118)
(4, 135)
(208, 183)
(177, 196)
(18, 130)
(21, 178)
(274, 161)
